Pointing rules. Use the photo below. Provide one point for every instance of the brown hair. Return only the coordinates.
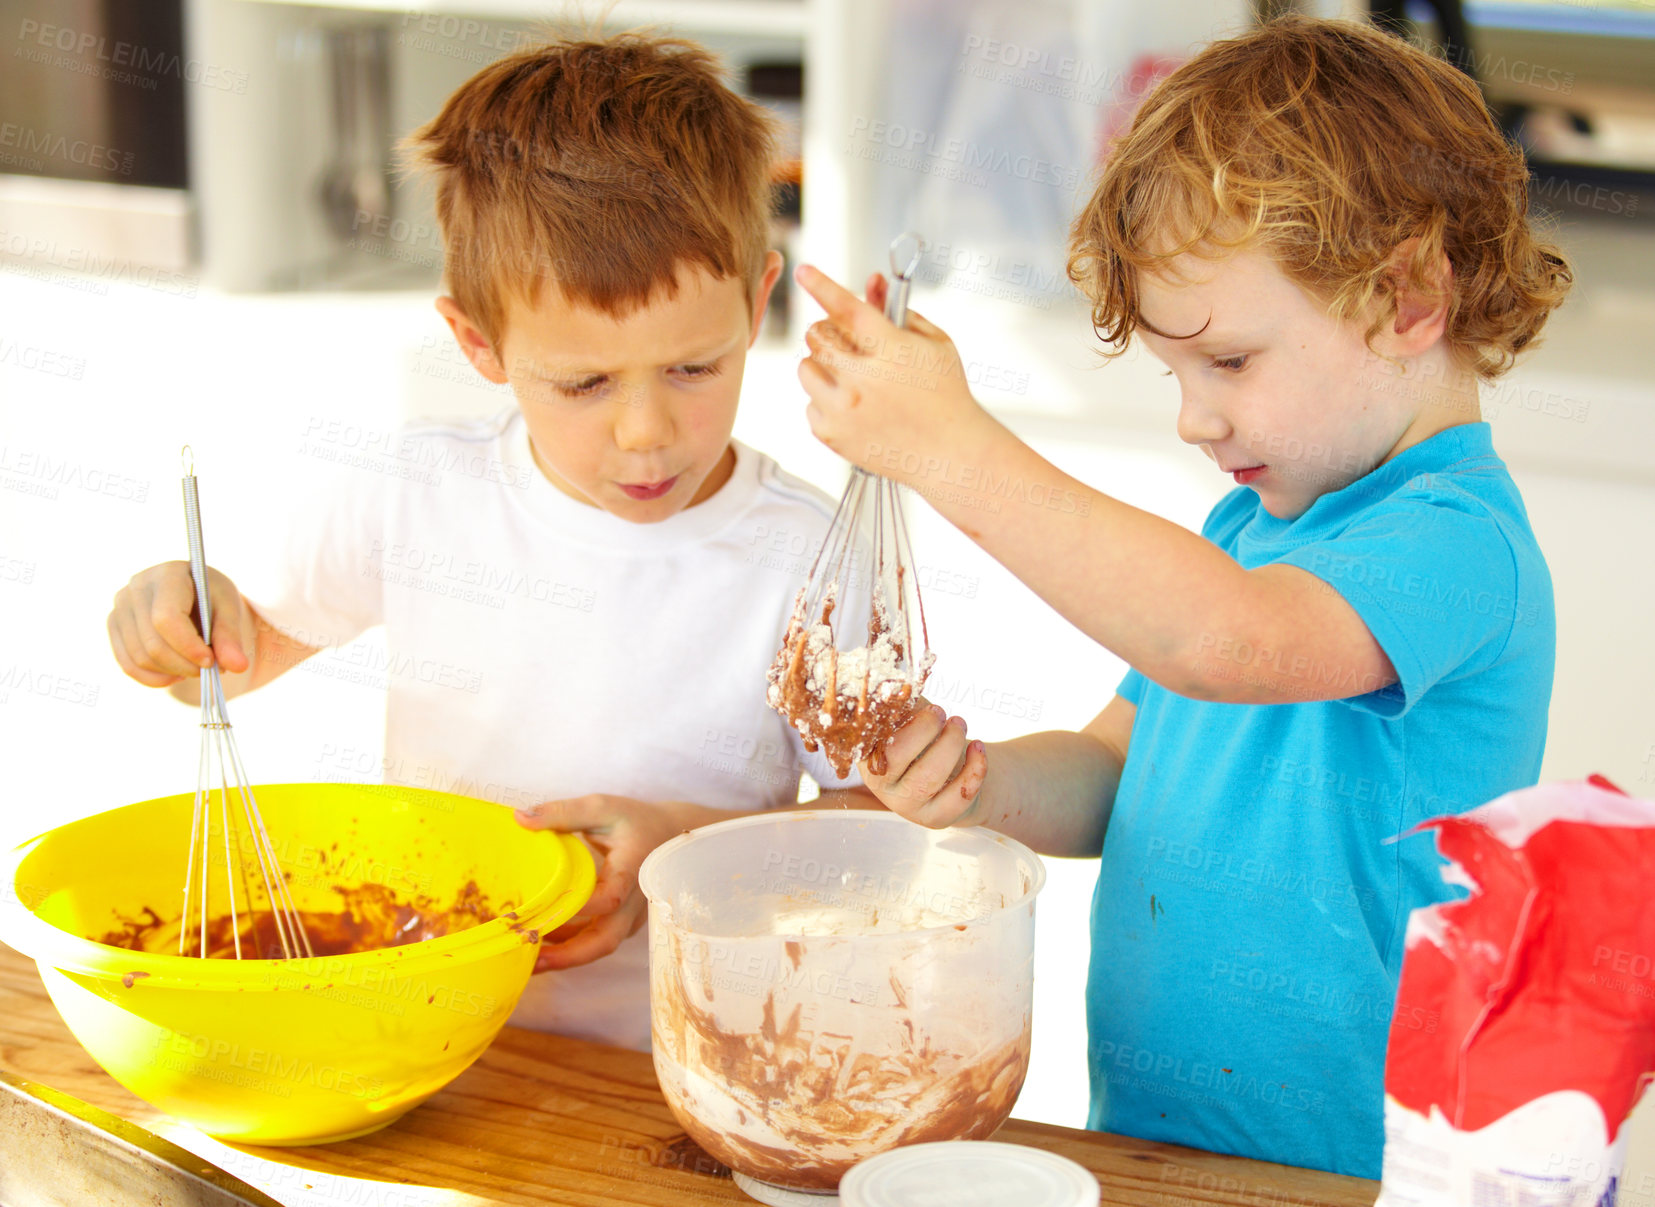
(600, 166)
(1327, 144)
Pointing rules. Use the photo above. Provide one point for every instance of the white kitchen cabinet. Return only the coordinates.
(258, 158)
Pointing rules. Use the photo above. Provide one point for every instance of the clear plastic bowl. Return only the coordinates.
(828, 985)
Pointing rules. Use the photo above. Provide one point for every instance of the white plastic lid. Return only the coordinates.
(965, 1173)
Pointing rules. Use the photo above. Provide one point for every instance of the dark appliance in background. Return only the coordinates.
(1572, 83)
(94, 91)
(93, 151)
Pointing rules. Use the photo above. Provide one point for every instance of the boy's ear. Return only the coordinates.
(761, 295)
(472, 341)
(1421, 313)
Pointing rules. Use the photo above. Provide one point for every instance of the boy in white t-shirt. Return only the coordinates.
(581, 631)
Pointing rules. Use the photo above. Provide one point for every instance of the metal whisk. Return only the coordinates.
(243, 826)
(848, 687)
(873, 501)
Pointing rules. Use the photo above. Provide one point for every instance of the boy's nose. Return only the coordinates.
(643, 420)
(1199, 422)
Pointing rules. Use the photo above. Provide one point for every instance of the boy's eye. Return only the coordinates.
(1231, 364)
(581, 388)
(710, 369)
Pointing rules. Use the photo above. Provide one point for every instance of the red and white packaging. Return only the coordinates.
(1524, 1030)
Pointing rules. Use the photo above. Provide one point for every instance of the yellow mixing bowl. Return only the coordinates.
(301, 1051)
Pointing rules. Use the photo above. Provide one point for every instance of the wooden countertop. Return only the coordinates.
(543, 1119)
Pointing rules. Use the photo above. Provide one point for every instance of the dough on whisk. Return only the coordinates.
(847, 702)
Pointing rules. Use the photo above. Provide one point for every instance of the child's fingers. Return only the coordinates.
(912, 739)
(167, 637)
(827, 398)
(957, 796)
(594, 940)
(172, 640)
(877, 291)
(232, 641)
(844, 352)
(569, 814)
(827, 342)
(158, 603)
(568, 930)
(971, 779)
(920, 325)
(232, 626)
(842, 306)
(617, 880)
(120, 646)
(616, 884)
(925, 776)
(816, 378)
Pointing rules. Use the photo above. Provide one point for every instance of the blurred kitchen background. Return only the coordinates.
(203, 239)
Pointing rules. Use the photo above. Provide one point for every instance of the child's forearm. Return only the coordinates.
(842, 798)
(689, 816)
(1161, 597)
(1052, 791)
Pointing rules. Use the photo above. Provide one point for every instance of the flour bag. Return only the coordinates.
(1524, 1030)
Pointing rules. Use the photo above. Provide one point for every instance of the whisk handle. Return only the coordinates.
(905, 253)
(896, 302)
(198, 558)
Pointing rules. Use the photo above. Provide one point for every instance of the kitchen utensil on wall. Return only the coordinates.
(356, 185)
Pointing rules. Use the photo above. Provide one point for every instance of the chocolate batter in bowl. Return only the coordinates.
(437, 904)
(826, 986)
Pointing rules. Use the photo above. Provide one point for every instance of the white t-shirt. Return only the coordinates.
(538, 648)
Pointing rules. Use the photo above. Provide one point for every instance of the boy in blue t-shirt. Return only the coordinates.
(1323, 235)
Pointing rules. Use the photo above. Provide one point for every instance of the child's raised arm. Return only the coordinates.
(895, 401)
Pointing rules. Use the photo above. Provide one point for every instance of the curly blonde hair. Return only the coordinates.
(1327, 144)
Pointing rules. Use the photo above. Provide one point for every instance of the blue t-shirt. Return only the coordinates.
(1248, 920)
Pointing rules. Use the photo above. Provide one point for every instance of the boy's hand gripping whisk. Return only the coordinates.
(849, 701)
(244, 838)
